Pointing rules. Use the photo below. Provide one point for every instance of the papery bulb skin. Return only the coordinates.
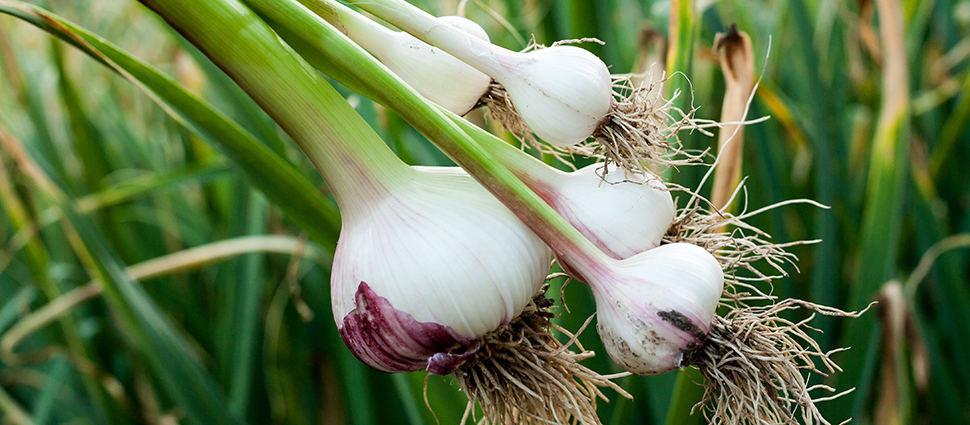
(623, 214)
(419, 275)
(561, 92)
(433, 73)
(657, 306)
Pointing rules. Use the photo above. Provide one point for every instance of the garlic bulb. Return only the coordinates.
(623, 214)
(433, 73)
(423, 273)
(655, 308)
(563, 92)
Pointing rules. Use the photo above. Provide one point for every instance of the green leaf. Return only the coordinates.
(273, 175)
(47, 399)
(167, 353)
(687, 393)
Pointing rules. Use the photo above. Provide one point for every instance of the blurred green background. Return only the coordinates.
(233, 324)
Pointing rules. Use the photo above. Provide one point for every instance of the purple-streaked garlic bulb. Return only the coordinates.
(420, 275)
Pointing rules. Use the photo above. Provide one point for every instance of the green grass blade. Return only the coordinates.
(14, 305)
(88, 142)
(815, 120)
(12, 411)
(248, 313)
(887, 183)
(686, 394)
(166, 352)
(46, 401)
(278, 180)
(946, 290)
(408, 398)
(953, 128)
(39, 262)
(682, 30)
(357, 388)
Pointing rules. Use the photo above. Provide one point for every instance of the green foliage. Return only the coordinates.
(122, 149)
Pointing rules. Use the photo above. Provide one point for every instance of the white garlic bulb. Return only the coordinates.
(419, 275)
(433, 73)
(653, 309)
(623, 214)
(563, 92)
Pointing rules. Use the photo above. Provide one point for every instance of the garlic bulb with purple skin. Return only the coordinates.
(657, 307)
(422, 273)
(434, 74)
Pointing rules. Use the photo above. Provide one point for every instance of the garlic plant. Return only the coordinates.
(625, 217)
(751, 359)
(432, 272)
(657, 306)
(435, 74)
(420, 248)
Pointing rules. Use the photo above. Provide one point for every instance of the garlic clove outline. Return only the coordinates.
(440, 255)
(391, 340)
(654, 309)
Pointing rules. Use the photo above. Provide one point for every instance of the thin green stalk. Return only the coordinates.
(88, 140)
(247, 314)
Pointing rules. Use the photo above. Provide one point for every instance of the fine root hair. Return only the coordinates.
(640, 132)
(522, 374)
(753, 364)
(756, 364)
(737, 245)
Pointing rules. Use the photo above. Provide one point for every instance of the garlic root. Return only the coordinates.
(522, 374)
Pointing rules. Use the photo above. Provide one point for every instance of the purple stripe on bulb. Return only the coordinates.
(391, 340)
